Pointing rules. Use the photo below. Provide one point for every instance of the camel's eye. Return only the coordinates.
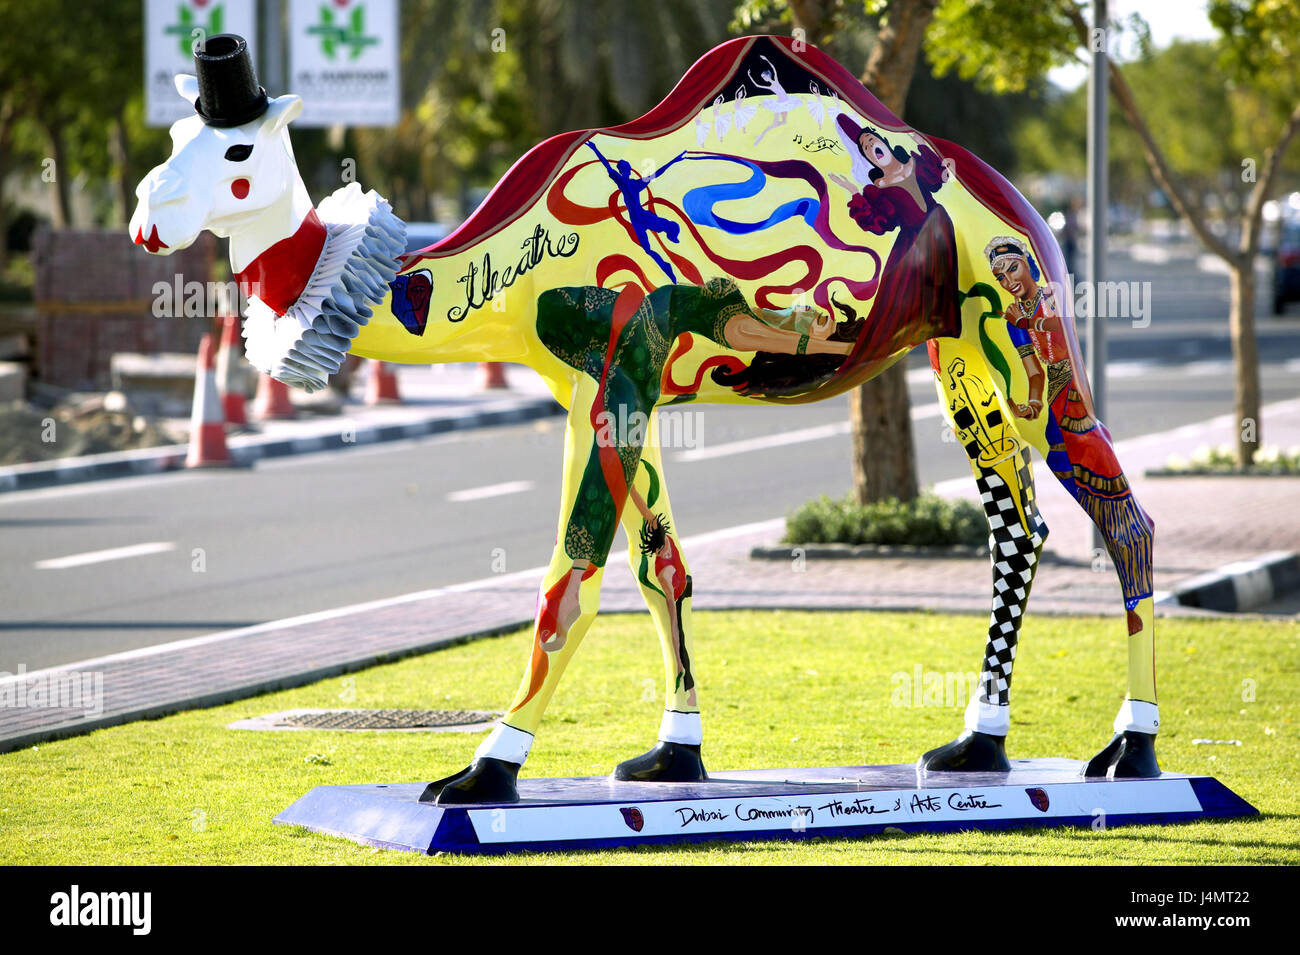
(239, 153)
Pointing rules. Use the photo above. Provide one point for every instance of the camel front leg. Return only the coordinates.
(1003, 473)
(1078, 449)
(1086, 464)
(660, 569)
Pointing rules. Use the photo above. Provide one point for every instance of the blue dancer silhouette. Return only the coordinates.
(643, 220)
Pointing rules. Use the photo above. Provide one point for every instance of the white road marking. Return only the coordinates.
(764, 442)
(1291, 406)
(783, 438)
(1146, 252)
(99, 556)
(491, 490)
(532, 577)
(1130, 369)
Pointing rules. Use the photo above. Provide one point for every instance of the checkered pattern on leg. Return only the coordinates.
(1014, 550)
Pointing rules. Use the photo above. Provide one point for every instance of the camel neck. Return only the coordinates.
(279, 274)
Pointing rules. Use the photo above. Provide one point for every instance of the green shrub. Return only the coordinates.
(927, 521)
(1222, 459)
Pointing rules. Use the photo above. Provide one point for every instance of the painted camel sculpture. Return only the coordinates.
(678, 259)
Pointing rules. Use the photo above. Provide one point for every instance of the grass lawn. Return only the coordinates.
(778, 689)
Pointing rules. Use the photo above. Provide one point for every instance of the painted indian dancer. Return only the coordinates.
(643, 220)
(1035, 326)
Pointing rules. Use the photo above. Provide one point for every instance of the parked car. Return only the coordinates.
(1286, 267)
(421, 235)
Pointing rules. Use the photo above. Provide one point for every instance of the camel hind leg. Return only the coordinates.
(659, 567)
(596, 468)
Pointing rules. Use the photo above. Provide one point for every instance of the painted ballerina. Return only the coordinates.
(643, 220)
(721, 123)
(782, 106)
(743, 112)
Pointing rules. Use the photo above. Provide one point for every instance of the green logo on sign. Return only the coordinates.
(189, 32)
(334, 35)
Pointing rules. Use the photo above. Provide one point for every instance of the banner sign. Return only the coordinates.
(171, 28)
(344, 61)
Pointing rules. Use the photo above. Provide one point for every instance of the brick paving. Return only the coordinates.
(1201, 524)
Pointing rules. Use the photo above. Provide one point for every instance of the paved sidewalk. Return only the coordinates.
(1201, 524)
(435, 399)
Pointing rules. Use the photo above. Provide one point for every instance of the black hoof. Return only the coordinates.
(486, 780)
(1130, 755)
(970, 752)
(666, 763)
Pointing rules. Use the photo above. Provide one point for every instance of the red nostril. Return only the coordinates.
(153, 243)
(240, 188)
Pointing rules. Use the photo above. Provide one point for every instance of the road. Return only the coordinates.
(108, 566)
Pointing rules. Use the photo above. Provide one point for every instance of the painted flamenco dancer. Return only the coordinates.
(330, 281)
(894, 190)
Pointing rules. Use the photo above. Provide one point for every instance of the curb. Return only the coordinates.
(1243, 585)
(240, 691)
(117, 464)
(1166, 473)
(859, 551)
(887, 551)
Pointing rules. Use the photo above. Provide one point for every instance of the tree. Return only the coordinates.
(880, 414)
(81, 92)
(1203, 125)
(1260, 41)
(489, 80)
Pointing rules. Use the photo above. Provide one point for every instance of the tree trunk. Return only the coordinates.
(122, 159)
(5, 126)
(884, 459)
(1245, 352)
(893, 59)
(62, 205)
(880, 413)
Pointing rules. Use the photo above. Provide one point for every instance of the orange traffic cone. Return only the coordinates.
(382, 387)
(207, 427)
(272, 402)
(494, 375)
(232, 398)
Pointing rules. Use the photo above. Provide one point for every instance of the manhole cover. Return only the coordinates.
(371, 720)
(385, 719)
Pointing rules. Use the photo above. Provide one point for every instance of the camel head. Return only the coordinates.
(231, 169)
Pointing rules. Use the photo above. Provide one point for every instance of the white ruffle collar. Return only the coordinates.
(310, 341)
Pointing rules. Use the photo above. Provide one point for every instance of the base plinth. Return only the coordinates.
(600, 812)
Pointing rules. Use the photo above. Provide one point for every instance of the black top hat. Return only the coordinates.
(228, 90)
